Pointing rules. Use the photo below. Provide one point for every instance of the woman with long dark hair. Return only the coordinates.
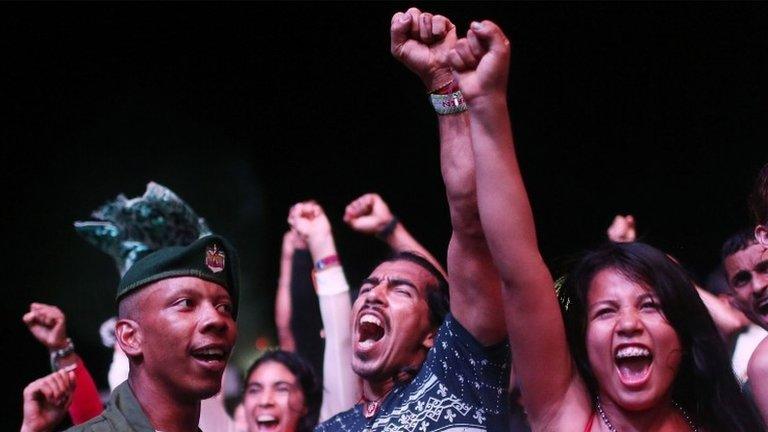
(637, 350)
(281, 394)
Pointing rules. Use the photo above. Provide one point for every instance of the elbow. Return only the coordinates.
(465, 218)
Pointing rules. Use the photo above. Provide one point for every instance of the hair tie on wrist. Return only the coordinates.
(329, 261)
(388, 229)
(446, 88)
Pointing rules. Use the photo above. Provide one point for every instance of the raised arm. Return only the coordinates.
(535, 325)
(421, 41)
(47, 323)
(370, 214)
(283, 307)
(341, 388)
(46, 400)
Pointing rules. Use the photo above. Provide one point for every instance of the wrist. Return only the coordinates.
(58, 344)
(386, 231)
(322, 247)
(62, 356)
(437, 79)
(489, 101)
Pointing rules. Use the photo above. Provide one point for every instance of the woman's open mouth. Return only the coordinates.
(633, 364)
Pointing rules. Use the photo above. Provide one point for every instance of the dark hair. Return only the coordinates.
(705, 385)
(758, 200)
(738, 242)
(306, 378)
(437, 294)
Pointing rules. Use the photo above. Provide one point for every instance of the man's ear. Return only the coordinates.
(429, 340)
(761, 234)
(128, 336)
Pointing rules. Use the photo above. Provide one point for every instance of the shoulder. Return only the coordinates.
(341, 422)
(96, 424)
(452, 336)
(758, 363)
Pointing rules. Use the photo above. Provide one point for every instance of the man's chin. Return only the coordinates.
(367, 369)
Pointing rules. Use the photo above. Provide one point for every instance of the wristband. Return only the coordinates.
(329, 261)
(448, 104)
(59, 354)
(388, 229)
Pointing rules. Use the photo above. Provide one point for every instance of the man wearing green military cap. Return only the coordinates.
(176, 323)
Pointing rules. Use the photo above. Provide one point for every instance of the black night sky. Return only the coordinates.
(653, 109)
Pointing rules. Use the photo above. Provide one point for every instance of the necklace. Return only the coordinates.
(611, 428)
(371, 407)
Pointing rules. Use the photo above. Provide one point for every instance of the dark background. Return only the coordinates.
(243, 109)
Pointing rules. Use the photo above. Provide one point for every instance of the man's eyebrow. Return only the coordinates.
(398, 281)
(370, 280)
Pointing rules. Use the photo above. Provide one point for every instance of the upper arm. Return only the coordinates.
(475, 289)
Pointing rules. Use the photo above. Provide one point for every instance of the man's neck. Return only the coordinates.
(165, 411)
(377, 389)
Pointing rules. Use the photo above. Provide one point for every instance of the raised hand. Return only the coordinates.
(368, 214)
(622, 229)
(46, 400)
(421, 41)
(48, 324)
(310, 222)
(480, 62)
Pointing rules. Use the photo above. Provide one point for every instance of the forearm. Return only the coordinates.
(340, 386)
(535, 326)
(472, 277)
(726, 319)
(401, 240)
(458, 170)
(283, 308)
(502, 200)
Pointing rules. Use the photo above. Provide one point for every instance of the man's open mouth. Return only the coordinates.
(370, 330)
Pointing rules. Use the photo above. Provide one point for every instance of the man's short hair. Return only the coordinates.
(738, 242)
(758, 200)
(437, 294)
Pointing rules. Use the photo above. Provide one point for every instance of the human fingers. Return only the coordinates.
(425, 28)
(475, 46)
(415, 14)
(399, 30)
(469, 59)
(489, 34)
(455, 61)
(440, 26)
(29, 318)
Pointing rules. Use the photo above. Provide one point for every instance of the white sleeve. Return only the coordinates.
(341, 387)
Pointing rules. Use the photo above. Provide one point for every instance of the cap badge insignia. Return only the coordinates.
(214, 258)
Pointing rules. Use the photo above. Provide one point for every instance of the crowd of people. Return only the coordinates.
(625, 341)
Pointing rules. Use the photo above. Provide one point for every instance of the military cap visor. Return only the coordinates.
(210, 258)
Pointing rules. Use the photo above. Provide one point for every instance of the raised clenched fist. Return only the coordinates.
(421, 41)
(48, 324)
(480, 62)
(368, 214)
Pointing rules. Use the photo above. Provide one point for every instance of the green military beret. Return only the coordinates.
(211, 258)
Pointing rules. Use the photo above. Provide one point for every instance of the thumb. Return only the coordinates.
(490, 35)
(401, 26)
